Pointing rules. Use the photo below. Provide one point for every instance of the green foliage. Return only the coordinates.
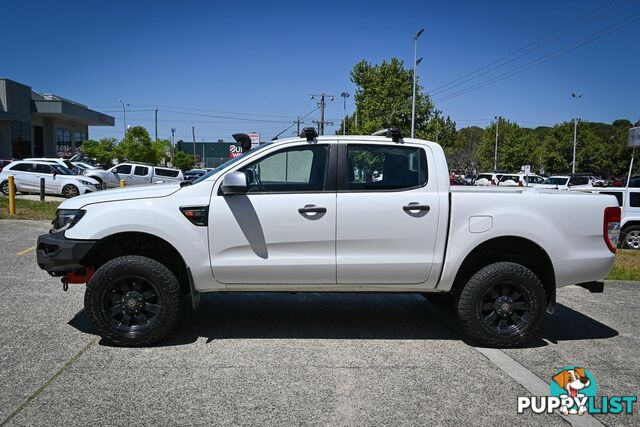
(138, 147)
(182, 160)
(383, 99)
(101, 151)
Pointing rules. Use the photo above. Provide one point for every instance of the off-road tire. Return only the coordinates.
(147, 269)
(469, 304)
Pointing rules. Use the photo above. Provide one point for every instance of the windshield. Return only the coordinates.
(62, 170)
(554, 180)
(230, 162)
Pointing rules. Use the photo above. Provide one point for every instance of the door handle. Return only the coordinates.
(312, 209)
(414, 206)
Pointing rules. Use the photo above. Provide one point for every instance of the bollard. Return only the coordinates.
(12, 196)
(123, 183)
(103, 186)
(42, 189)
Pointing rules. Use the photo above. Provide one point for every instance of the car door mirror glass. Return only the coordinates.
(234, 183)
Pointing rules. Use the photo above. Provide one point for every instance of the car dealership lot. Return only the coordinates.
(291, 358)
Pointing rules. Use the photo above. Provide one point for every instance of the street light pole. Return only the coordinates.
(576, 96)
(124, 115)
(344, 96)
(495, 154)
(415, 66)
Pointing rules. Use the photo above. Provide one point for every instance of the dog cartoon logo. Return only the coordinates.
(575, 385)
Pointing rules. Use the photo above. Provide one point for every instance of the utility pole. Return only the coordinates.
(124, 116)
(576, 96)
(344, 96)
(193, 133)
(156, 111)
(173, 137)
(298, 123)
(322, 105)
(415, 68)
(495, 155)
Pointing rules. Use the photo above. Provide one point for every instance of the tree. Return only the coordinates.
(182, 160)
(138, 147)
(383, 99)
(101, 151)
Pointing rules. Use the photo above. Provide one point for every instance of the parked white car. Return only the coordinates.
(487, 179)
(57, 179)
(62, 162)
(629, 202)
(135, 174)
(564, 182)
(520, 180)
(306, 215)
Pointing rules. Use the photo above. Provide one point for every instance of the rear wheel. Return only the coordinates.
(70, 191)
(4, 188)
(133, 301)
(502, 305)
(631, 237)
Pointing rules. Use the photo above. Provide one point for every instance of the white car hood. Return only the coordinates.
(116, 194)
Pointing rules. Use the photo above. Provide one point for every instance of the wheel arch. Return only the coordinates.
(143, 244)
(509, 249)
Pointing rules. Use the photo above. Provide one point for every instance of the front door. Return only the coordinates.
(283, 230)
(387, 219)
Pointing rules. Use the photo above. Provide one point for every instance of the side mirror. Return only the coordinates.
(234, 183)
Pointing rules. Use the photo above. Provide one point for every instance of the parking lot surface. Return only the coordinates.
(293, 358)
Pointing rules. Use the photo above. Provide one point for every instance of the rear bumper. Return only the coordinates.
(57, 254)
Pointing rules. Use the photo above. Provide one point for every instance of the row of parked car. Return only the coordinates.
(71, 178)
(562, 182)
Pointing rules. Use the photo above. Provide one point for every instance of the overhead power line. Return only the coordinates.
(579, 43)
(526, 49)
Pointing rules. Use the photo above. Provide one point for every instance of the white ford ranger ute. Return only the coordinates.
(331, 214)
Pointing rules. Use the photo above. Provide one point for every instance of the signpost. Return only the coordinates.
(633, 140)
(255, 139)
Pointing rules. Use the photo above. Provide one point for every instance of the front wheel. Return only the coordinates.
(502, 305)
(133, 301)
(70, 191)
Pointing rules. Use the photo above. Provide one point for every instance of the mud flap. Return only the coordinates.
(195, 295)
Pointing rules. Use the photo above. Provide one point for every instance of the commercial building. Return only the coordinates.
(33, 124)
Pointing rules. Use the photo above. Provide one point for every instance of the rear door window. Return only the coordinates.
(43, 169)
(173, 173)
(141, 171)
(634, 199)
(381, 167)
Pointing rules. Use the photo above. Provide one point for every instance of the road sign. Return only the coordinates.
(255, 139)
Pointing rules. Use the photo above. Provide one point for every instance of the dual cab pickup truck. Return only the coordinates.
(307, 215)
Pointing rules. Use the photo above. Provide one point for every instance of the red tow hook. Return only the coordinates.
(73, 277)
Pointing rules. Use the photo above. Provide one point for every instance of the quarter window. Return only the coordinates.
(634, 199)
(298, 169)
(379, 167)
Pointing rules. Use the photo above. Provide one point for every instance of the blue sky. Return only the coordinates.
(263, 59)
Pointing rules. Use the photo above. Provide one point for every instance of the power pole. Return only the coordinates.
(344, 96)
(322, 105)
(577, 96)
(173, 137)
(156, 111)
(495, 155)
(415, 69)
(298, 123)
(193, 133)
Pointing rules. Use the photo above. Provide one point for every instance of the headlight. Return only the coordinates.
(83, 182)
(66, 218)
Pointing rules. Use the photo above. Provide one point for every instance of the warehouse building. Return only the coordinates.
(33, 124)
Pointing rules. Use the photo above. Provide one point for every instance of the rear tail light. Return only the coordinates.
(611, 228)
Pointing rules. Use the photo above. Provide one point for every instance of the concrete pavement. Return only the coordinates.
(289, 358)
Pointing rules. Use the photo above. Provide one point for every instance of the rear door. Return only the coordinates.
(141, 175)
(386, 227)
(23, 176)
